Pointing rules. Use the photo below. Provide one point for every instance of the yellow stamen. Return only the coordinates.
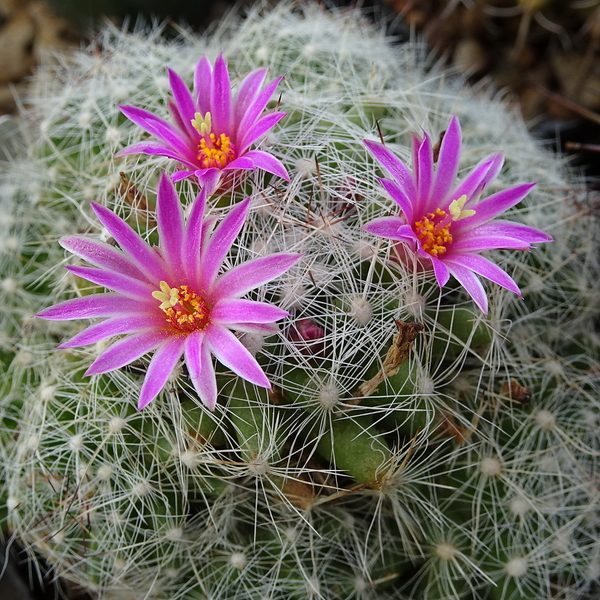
(185, 310)
(216, 151)
(434, 239)
(456, 209)
(202, 124)
(168, 296)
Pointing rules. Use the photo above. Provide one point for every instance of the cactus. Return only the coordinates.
(455, 458)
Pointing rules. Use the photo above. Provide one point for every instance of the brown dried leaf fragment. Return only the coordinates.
(136, 200)
(517, 392)
(396, 355)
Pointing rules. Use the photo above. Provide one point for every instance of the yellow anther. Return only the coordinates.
(168, 296)
(456, 209)
(216, 151)
(202, 124)
(433, 232)
(184, 309)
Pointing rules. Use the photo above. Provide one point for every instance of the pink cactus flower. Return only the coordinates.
(173, 299)
(212, 132)
(447, 224)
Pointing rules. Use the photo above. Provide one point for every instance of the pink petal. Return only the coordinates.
(256, 109)
(477, 178)
(448, 160)
(518, 231)
(180, 175)
(475, 242)
(169, 217)
(186, 107)
(393, 228)
(399, 196)
(100, 255)
(140, 253)
(200, 368)
(160, 368)
(424, 176)
(484, 267)
(395, 167)
(113, 326)
(247, 93)
(89, 307)
(159, 128)
(267, 162)
(221, 98)
(193, 237)
(259, 129)
(126, 351)
(471, 283)
(157, 149)
(230, 311)
(492, 206)
(219, 244)
(126, 286)
(209, 179)
(440, 271)
(203, 85)
(231, 352)
(249, 275)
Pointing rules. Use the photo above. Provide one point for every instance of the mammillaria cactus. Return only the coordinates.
(410, 446)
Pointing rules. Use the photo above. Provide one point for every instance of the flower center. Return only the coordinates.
(213, 151)
(433, 231)
(184, 309)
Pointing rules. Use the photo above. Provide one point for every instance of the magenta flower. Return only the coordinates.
(446, 224)
(172, 299)
(212, 132)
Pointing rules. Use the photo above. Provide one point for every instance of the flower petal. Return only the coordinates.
(209, 179)
(509, 229)
(393, 228)
(400, 197)
(231, 352)
(259, 129)
(492, 206)
(424, 176)
(161, 129)
(486, 268)
(169, 217)
(156, 149)
(89, 307)
(186, 107)
(255, 109)
(221, 98)
(126, 351)
(219, 244)
(160, 368)
(230, 311)
(267, 162)
(476, 180)
(126, 286)
(248, 92)
(245, 277)
(193, 237)
(203, 85)
(200, 368)
(113, 326)
(140, 253)
(448, 160)
(471, 283)
(440, 271)
(395, 167)
(100, 255)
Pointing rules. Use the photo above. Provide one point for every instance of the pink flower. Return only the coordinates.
(172, 299)
(212, 132)
(448, 224)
